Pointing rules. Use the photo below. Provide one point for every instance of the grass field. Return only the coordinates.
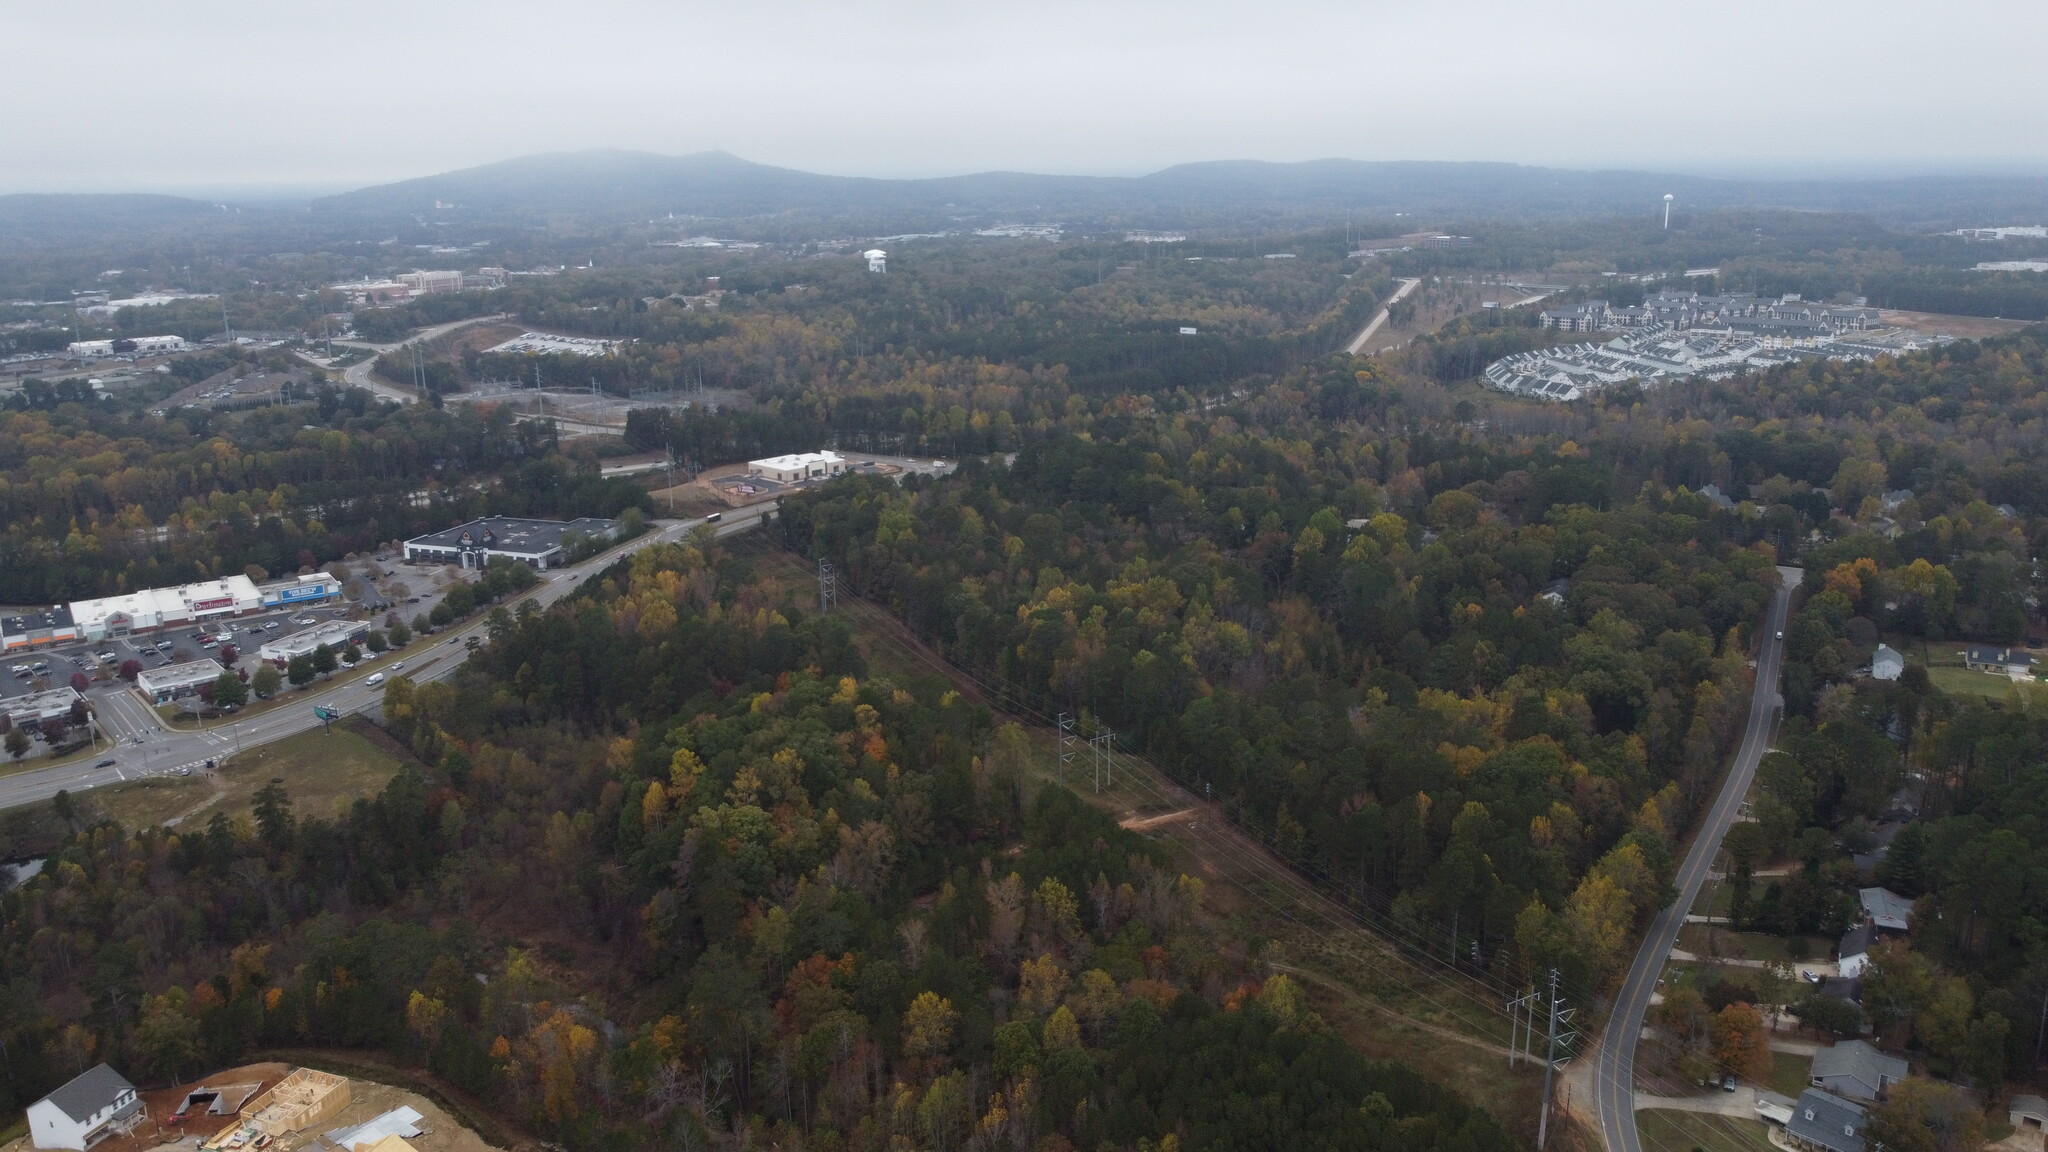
(323, 773)
(1745, 945)
(1668, 1131)
(1960, 681)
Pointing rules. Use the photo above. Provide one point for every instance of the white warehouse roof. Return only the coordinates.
(797, 460)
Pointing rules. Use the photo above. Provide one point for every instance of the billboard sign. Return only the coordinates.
(308, 592)
(213, 604)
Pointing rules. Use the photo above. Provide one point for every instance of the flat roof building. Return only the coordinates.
(175, 681)
(155, 608)
(542, 544)
(336, 634)
(797, 466)
(296, 590)
(423, 283)
(37, 629)
(37, 707)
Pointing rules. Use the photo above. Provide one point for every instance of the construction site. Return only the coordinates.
(275, 1107)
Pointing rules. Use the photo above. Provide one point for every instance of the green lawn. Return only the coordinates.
(1745, 945)
(1957, 681)
(1790, 1074)
(1668, 1131)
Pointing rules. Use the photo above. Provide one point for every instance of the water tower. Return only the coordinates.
(1667, 211)
(878, 260)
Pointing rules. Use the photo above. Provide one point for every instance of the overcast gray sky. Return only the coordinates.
(129, 94)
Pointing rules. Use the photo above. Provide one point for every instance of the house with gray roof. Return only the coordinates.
(2000, 661)
(1855, 1068)
(1885, 909)
(1824, 1122)
(1852, 956)
(85, 1111)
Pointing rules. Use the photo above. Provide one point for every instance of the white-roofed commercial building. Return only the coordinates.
(36, 707)
(294, 591)
(797, 466)
(336, 634)
(175, 681)
(154, 608)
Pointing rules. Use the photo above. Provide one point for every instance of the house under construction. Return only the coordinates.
(297, 1102)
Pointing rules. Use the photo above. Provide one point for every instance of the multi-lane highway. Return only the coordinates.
(1614, 1065)
(162, 751)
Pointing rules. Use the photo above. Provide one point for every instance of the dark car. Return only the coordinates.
(104, 764)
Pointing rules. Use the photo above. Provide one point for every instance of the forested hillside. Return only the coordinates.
(100, 497)
(770, 893)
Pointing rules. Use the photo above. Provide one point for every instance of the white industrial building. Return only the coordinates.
(94, 1105)
(878, 260)
(155, 608)
(143, 346)
(797, 466)
(175, 681)
(335, 634)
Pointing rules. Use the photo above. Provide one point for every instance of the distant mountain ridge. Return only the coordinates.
(641, 184)
(620, 187)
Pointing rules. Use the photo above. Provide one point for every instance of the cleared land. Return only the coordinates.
(322, 773)
(1961, 327)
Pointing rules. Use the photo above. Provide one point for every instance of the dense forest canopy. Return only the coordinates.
(678, 862)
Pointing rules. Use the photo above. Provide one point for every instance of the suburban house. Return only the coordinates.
(1887, 664)
(1853, 955)
(1856, 1069)
(1886, 910)
(83, 1112)
(1824, 1122)
(2000, 661)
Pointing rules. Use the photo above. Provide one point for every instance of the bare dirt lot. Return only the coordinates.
(1961, 327)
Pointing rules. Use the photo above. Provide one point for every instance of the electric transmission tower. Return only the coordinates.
(828, 586)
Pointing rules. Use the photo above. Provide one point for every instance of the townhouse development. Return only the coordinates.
(1675, 335)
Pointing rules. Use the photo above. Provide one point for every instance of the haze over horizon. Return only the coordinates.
(228, 94)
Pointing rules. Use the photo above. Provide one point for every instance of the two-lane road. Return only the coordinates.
(164, 751)
(1614, 1065)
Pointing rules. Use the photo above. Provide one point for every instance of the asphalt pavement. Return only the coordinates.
(163, 751)
(1614, 1094)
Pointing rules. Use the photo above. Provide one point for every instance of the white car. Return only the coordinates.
(398, 667)
(373, 679)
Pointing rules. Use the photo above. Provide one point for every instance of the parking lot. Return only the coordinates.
(120, 712)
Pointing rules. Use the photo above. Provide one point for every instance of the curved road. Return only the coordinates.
(359, 375)
(1614, 1094)
(164, 751)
